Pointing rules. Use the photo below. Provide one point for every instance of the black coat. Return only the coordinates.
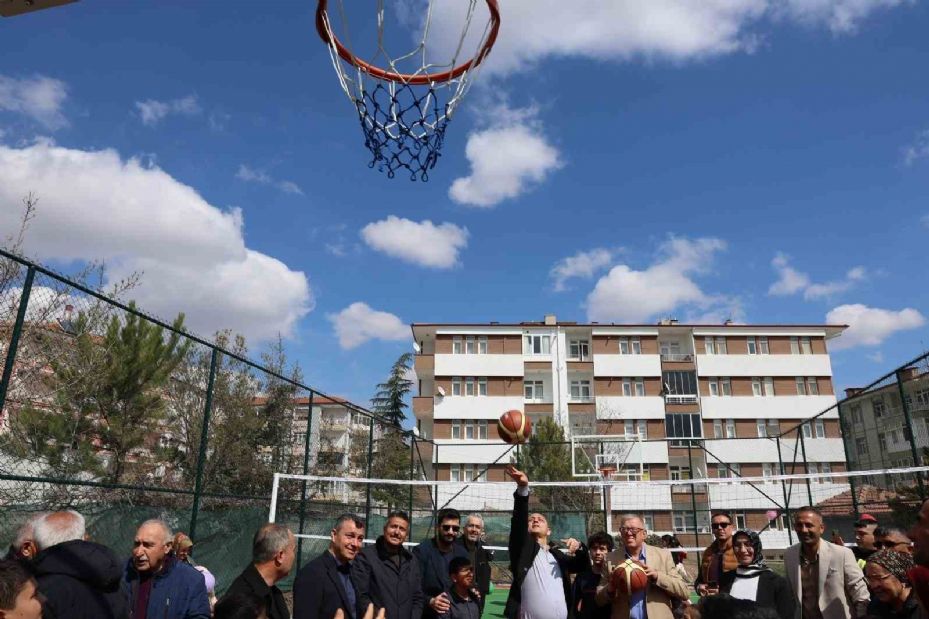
(481, 561)
(773, 591)
(379, 581)
(318, 590)
(251, 583)
(434, 570)
(523, 549)
(81, 579)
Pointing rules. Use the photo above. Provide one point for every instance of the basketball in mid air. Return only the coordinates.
(629, 577)
(514, 427)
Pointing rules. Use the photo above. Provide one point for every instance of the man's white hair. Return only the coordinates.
(476, 517)
(26, 532)
(57, 528)
(627, 517)
(169, 535)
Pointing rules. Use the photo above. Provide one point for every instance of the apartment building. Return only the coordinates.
(633, 398)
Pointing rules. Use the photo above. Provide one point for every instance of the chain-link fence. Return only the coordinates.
(125, 417)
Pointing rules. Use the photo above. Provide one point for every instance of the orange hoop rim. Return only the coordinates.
(407, 78)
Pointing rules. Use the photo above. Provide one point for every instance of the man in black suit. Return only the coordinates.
(541, 585)
(273, 554)
(387, 574)
(324, 585)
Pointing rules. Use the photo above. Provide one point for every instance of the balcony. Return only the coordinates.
(581, 398)
(690, 398)
(677, 357)
(424, 365)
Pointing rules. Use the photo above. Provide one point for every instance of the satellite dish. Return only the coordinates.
(417, 348)
(441, 391)
(416, 432)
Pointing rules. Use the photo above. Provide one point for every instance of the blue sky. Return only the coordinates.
(765, 160)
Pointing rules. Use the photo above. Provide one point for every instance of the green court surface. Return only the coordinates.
(496, 601)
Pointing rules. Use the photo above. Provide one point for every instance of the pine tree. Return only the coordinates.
(390, 395)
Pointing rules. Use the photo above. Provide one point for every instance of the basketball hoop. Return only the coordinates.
(607, 471)
(404, 114)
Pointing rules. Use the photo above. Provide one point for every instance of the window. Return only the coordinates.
(627, 387)
(740, 522)
(728, 471)
(861, 446)
(812, 387)
(730, 428)
(717, 428)
(806, 347)
(679, 473)
(580, 390)
(762, 426)
(683, 522)
(482, 345)
(455, 472)
(299, 438)
(456, 428)
(636, 346)
(533, 391)
(769, 386)
(763, 386)
(752, 346)
(623, 346)
(795, 345)
(633, 429)
(801, 385)
(825, 467)
(709, 345)
(855, 410)
(456, 386)
(481, 386)
(763, 346)
(877, 405)
(768, 469)
(882, 440)
(682, 425)
(639, 387)
(721, 348)
(470, 345)
(648, 521)
(922, 397)
(469, 431)
(670, 348)
(816, 430)
(756, 387)
(714, 387)
(469, 386)
(579, 349)
(724, 428)
(456, 346)
(680, 382)
(482, 430)
(537, 345)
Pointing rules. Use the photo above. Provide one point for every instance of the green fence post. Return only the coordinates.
(306, 471)
(14, 337)
(693, 497)
(806, 463)
(412, 469)
(368, 474)
(204, 438)
(847, 436)
(783, 469)
(909, 428)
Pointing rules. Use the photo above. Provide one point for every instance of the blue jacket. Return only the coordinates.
(178, 592)
(433, 566)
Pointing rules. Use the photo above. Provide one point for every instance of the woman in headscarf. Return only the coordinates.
(891, 592)
(753, 579)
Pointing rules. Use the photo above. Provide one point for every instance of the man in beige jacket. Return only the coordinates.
(825, 577)
(665, 585)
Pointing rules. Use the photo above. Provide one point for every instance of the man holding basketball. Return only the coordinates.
(541, 588)
(663, 587)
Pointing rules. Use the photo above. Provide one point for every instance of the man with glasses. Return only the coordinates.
(541, 586)
(665, 587)
(718, 557)
(434, 556)
(892, 538)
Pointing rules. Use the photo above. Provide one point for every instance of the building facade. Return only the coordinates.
(652, 402)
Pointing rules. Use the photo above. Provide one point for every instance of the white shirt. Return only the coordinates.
(542, 590)
(745, 588)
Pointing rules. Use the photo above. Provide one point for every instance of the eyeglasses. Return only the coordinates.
(630, 530)
(721, 525)
(451, 527)
(880, 545)
(877, 579)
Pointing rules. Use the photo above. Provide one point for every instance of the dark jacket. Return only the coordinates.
(584, 594)
(480, 559)
(434, 569)
(178, 591)
(460, 607)
(523, 548)
(911, 609)
(80, 579)
(380, 581)
(773, 591)
(319, 592)
(251, 583)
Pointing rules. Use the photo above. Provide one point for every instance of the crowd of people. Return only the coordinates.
(54, 571)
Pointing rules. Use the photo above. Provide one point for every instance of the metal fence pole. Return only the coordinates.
(909, 428)
(14, 337)
(368, 474)
(306, 471)
(204, 438)
(806, 463)
(693, 496)
(783, 469)
(847, 436)
(435, 488)
(412, 469)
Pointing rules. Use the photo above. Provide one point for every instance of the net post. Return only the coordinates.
(908, 418)
(368, 474)
(693, 496)
(780, 462)
(17, 332)
(306, 471)
(204, 439)
(275, 483)
(435, 488)
(806, 462)
(848, 460)
(412, 469)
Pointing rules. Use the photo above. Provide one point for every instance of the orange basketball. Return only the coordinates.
(514, 427)
(629, 577)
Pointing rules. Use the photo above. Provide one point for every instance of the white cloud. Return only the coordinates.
(423, 243)
(876, 356)
(870, 326)
(627, 295)
(40, 98)
(583, 264)
(919, 149)
(506, 159)
(535, 31)
(791, 281)
(152, 111)
(251, 175)
(95, 205)
(358, 323)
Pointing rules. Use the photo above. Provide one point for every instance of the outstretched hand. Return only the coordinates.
(516, 475)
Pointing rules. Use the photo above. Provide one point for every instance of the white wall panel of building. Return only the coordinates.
(761, 450)
(454, 451)
(773, 407)
(475, 407)
(764, 365)
(478, 365)
(619, 407)
(639, 497)
(627, 365)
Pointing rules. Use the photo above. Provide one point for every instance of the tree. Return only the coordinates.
(390, 395)
(108, 397)
(391, 461)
